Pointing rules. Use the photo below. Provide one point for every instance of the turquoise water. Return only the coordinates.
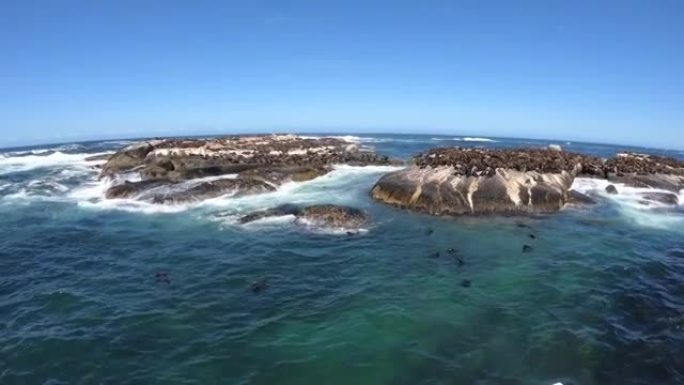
(599, 299)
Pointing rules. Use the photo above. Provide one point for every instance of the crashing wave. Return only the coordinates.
(475, 139)
(632, 205)
(19, 163)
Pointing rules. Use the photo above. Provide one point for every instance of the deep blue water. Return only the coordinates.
(600, 299)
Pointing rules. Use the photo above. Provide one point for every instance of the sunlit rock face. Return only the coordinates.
(453, 181)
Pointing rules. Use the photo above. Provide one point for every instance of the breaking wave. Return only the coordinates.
(632, 205)
(44, 158)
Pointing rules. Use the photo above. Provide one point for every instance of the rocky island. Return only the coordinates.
(441, 181)
(467, 181)
(186, 170)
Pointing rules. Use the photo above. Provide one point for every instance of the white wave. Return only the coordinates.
(118, 142)
(21, 195)
(474, 139)
(273, 221)
(9, 164)
(37, 151)
(316, 228)
(632, 205)
(337, 187)
(346, 138)
(368, 139)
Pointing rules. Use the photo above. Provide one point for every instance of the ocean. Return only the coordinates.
(124, 292)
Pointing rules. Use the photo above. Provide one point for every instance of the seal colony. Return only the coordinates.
(441, 181)
(467, 181)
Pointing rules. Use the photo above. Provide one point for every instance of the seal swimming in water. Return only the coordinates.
(526, 248)
(259, 285)
(162, 277)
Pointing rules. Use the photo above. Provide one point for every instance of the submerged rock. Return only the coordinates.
(662, 197)
(577, 197)
(269, 213)
(213, 189)
(332, 216)
(260, 164)
(133, 189)
(611, 189)
(325, 216)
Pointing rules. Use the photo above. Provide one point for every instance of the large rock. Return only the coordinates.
(441, 191)
(260, 164)
(128, 158)
(455, 181)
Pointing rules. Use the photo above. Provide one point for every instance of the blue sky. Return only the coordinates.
(607, 71)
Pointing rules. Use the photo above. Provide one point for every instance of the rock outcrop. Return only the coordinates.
(169, 171)
(324, 216)
(448, 181)
(642, 170)
(466, 181)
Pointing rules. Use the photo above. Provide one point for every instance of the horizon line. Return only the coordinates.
(323, 134)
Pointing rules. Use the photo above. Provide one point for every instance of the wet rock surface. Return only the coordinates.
(577, 197)
(256, 164)
(325, 216)
(662, 197)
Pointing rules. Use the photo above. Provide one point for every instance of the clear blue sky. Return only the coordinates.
(609, 71)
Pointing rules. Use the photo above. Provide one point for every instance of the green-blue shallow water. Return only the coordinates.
(84, 299)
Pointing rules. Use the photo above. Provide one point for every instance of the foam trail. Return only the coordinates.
(632, 205)
(9, 164)
(324, 189)
(475, 139)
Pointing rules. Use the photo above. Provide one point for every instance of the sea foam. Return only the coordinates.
(25, 162)
(631, 204)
